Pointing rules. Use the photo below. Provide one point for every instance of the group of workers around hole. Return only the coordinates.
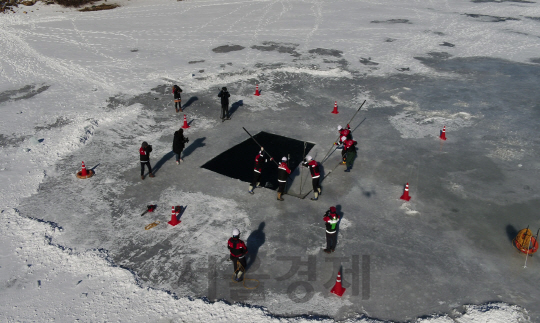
(238, 249)
(348, 154)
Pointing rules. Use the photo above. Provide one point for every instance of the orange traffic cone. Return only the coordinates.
(405, 195)
(83, 173)
(443, 133)
(174, 220)
(335, 108)
(83, 170)
(338, 289)
(257, 90)
(185, 126)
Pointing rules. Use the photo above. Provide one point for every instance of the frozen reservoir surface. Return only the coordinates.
(92, 86)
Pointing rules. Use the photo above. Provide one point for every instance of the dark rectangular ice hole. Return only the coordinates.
(238, 162)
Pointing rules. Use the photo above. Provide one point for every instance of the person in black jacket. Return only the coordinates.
(179, 143)
(224, 95)
(176, 90)
(144, 152)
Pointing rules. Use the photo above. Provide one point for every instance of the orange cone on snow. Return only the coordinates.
(83, 173)
(83, 170)
(257, 90)
(443, 133)
(338, 289)
(174, 220)
(335, 108)
(405, 195)
(185, 126)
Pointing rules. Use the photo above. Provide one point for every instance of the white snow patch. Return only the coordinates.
(456, 188)
(270, 100)
(506, 154)
(207, 220)
(336, 72)
(420, 124)
(60, 283)
(344, 224)
(85, 58)
(492, 313)
(406, 207)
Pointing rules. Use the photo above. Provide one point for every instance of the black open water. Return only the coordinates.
(238, 161)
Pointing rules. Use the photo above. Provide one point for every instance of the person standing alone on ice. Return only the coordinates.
(238, 250)
(283, 174)
(331, 220)
(224, 95)
(179, 142)
(259, 162)
(144, 152)
(176, 90)
(315, 176)
(349, 147)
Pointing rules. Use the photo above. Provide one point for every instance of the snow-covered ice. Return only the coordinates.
(91, 86)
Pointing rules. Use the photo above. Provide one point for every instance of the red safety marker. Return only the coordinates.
(338, 289)
(83, 173)
(83, 170)
(174, 220)
(443, 133)
(335, 108)
(185, 126)
(405, 195)
(257, 91)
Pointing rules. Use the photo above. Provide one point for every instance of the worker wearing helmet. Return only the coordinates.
(349, 149)
(345, 132)
(238, 250)
(331, 219)
(283, 174)
(315, 176)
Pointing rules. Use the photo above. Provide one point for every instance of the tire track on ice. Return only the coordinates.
(27, 62)
(317, 13)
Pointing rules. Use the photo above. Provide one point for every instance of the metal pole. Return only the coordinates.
(356, 112)
(529, 247)
(302, 168)
(260, 145)
(327, 154)
(527, 254)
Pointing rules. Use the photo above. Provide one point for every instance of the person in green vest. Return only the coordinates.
(331, 220)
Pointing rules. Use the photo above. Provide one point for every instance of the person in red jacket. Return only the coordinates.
(238, 250)
(144, 153)
(331, 220)
(259, 163)
(283, 174)
(349, 147)
(315, 176)
(345, 132)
